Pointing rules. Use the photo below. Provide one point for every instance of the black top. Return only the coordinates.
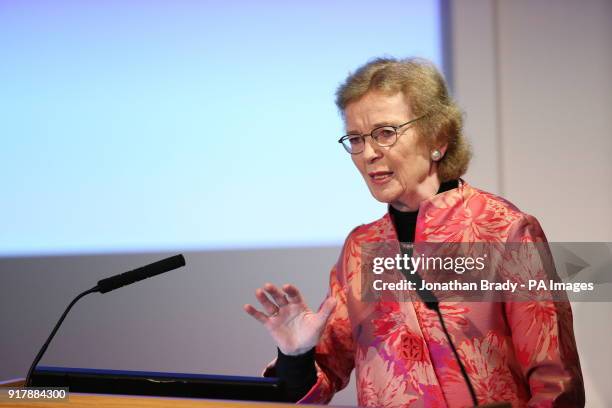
(298, 373)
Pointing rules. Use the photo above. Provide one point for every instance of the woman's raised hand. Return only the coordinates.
(293, 326)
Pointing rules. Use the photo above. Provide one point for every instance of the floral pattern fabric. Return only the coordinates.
(523, 352)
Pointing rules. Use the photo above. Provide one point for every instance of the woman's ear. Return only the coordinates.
(443, 149)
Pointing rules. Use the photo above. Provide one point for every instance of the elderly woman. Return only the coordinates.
(404, 135)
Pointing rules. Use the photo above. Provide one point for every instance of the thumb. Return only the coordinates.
(327, 308)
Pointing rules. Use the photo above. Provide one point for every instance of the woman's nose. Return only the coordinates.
(371, 149)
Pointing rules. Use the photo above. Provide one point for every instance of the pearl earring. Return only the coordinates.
(436, 155)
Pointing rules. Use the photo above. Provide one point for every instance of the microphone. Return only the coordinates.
(138, 274)
(107, 285)
(432, 303)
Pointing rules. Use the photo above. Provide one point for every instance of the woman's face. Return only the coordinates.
(403, 174)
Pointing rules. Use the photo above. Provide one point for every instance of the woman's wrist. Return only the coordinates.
(297, 353)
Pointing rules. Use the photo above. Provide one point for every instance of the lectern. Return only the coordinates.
(139, 389)
(159, 384)
(136, 389)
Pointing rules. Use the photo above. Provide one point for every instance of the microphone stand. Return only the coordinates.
(435, 306)
(431, 302)
(28, 381)
(107, 285)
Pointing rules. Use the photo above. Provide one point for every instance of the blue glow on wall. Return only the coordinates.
(148, 125)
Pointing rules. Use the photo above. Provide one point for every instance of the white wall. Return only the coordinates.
(535, 78)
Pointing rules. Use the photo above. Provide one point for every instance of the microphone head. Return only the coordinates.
(138, 274)
(166, 265)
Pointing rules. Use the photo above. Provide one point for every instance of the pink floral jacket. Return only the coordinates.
(521, 352)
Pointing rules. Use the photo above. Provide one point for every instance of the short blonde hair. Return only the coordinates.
(426, 90)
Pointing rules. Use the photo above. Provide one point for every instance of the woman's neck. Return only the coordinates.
(424, 191)
(442, 187)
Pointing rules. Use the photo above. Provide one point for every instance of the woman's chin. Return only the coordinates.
(384, 196)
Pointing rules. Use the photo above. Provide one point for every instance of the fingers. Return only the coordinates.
(293, 294)
(272, 307)
(260, 317)
(327, 308)
(277, 295)
(267, 304)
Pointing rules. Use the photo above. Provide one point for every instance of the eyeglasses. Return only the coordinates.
(384, 136)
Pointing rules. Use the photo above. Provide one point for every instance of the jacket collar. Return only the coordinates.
(443, 203)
